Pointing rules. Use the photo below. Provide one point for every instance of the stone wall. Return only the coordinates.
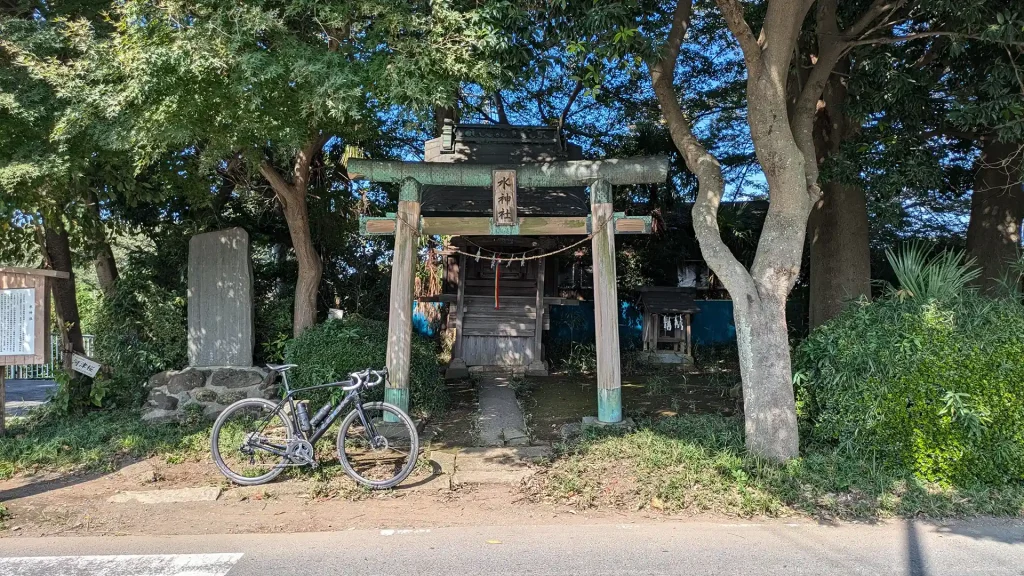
(172, 392)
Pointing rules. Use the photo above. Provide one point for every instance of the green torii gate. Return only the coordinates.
(603, 223)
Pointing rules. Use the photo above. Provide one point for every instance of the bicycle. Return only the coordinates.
(254, 440)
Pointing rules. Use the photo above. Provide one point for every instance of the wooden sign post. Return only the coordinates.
(24, 321)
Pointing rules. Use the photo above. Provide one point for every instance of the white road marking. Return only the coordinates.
(391, 532)
(126, 565)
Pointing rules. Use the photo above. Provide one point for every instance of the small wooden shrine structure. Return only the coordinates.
(668, 314)
(502, 191)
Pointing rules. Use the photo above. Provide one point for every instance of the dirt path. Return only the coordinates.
(78, 505)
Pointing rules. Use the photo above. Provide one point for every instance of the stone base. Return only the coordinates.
(456, 370)
(496, 369)
(210, 389)
(537, 368)
(593, 422)
(669, 357)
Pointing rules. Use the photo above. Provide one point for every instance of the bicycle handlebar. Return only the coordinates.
(360, 378)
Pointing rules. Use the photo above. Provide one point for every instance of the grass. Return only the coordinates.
(96, 441)
(697, 464)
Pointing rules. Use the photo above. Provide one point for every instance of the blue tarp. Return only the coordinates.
(713, 324)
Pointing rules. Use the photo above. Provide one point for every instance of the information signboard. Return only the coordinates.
(18, 322)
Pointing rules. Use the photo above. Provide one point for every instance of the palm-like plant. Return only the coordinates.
(930, 277)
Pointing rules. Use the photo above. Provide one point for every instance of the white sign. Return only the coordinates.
(17, 322)
(83, 365)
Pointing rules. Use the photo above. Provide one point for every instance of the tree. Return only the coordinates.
(986, 85)
(781, 114)
(918, 106)
(270, 86)
(838, 233)
(44, 174)
(997, 208)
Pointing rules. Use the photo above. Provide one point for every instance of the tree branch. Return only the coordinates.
(487, 117)
(303, 162)
(877, 8)
(568, 104)
(830, 50)
(906, 38)
(732, 10)
(284, 191)
(711, 184)
(499, 105)
(1016, 71)
(779, 34)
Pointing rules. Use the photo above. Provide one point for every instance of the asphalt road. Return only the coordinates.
(685, 548)
(23, 395)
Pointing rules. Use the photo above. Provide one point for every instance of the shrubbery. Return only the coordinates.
(140, 330)
(331, 350)
(934, 385)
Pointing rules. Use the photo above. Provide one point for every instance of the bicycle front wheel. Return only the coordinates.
(381, 452)
(248, 440)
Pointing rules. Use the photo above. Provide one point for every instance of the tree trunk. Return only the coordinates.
(840, 252)
(310, 268)
(58, 252)
(762, 339)
(997, 207)
(442, 113)
(838, 228)
(106, 266)
(293, 200)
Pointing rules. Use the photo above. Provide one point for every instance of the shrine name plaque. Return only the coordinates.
(505, 205)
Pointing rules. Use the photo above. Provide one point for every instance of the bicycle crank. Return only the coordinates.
(300, 452)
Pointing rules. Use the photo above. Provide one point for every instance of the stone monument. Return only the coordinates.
(220, 307)
(220, 332)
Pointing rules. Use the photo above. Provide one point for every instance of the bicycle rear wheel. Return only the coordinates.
(385, 458)
(241, 437)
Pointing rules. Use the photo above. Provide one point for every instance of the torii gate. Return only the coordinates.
(602, 223)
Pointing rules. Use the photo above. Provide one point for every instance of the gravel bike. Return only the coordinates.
(254, 440)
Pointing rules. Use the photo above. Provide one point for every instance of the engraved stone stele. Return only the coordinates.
(220, 304)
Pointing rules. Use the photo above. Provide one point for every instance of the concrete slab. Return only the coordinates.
(23, 395)
(491, 476)
(504, 465)
(205, 494)
(499, 458)
(500, 417)
(592, 421)
(445, 460)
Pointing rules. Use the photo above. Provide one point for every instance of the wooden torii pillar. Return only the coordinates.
(403, 272)
(603, 223)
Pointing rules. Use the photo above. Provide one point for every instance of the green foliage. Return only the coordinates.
(577, 358)
(698, 464)
(273, 327)
(95, 441)
(936, 387)
(331, 350)
(140, 330)
(926, 277)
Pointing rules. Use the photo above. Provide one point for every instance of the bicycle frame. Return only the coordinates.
(314, 436)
